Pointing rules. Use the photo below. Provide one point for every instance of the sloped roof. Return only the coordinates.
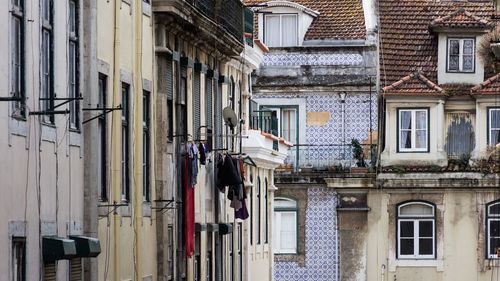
(461, 18)
(405, 39)
(337, 19)
(490, 86)
(414, 84)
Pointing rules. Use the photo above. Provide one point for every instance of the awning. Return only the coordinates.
(86, 247)
(198, 227)
(57, 248)
(225, 228)
(212, 227)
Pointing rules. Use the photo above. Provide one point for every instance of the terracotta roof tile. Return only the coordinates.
(461, 18)
(489, 87)
(406, 41)
(337, 19)
(457, 89)
(413, 84)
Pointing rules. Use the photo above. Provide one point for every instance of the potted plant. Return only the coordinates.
(359, 155)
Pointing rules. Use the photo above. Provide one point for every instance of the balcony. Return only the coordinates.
(331, 158)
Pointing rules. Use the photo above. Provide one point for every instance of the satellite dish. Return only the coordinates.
(230, 117)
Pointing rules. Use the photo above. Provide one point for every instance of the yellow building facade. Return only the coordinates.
(126, 228)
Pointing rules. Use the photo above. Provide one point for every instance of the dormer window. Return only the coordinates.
(280, 30)
(461, 55)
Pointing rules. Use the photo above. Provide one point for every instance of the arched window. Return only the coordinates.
(493, 229)
(416, 230)
(285, 226)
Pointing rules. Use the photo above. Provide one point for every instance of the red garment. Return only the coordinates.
(188, 211)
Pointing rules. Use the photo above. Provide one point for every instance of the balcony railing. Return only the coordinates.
(266, 122)
(228, 13)
(330, 157)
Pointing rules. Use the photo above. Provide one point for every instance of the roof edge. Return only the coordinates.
(284, 3)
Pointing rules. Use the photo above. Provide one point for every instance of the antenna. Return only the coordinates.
(230, 117)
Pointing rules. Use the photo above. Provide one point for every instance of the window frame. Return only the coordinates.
(413, 130)
(490, 217)
(146, 146)
(47, 27)
(103, 142)
(17, 80)
(416, 235)
(22, 242)
(460, 55)
(259, 210)
(277, 223)
(488, 122)
(280, 15)
(74, 66)
(125, 143)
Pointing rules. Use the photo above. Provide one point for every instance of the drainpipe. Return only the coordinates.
(137, 170)
(115, 141)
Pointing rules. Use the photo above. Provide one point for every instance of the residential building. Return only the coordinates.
(203, 63)
(42, 218)
(318, 81)
(432, 213)
(119, 153)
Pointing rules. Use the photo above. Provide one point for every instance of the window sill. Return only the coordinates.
(417, 263)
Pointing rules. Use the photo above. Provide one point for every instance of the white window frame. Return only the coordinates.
(413, 130)
(278, 212)
(491, 217)
(416, 234)
(460, 55)
(281, 28)
(490, 116)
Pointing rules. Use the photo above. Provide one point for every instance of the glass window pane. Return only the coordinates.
(494, 137)
(289, 30)
(406, 229)
(494, 228)
(421, 141)
(405, 120)
(468, 47)
(494, 245)
(425, 229)
(406, 246)
(421, 119)
(272, 31)
(453, 63)
(495, 118)
(494, 209)
(425, 247)
(405, 139)
(284, 203)
(468, 62)
(416, 209)
(454, 47)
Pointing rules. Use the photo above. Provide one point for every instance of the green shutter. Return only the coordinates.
(169, 79)
(249, 25)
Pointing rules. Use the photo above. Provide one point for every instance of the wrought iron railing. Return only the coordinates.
(228, 13)
(329, 157)
(265, 121)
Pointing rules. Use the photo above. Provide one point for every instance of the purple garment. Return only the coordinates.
(242, 213)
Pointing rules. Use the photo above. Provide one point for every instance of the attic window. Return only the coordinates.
(281, 30)
(461, 55)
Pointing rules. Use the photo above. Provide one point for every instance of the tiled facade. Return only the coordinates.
(290, 59)
(321, 241)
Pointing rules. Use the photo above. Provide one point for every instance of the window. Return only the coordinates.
(146, 151)
(287, 122)
(209, 257)
(493, 230)
(125, 192)
(169, 82)
(19, 259)
(258, 209)
(266, 225)
(285, 222)
(231, 255)
(240, 252)
(196, 104)
(17, 57)
(493, 126)
(413, 130)
(73, 65)
(461, 56)
(280, 30)
(102, 149)
(251, 209)
(170, 252)
(416, 230)
(47, 61)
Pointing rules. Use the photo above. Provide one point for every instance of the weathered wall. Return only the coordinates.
(321, 260)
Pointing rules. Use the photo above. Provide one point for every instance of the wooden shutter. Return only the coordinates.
(169, 79)
(49, 272)
(196, 105)
(75, 270)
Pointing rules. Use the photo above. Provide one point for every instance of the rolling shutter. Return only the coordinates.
(75, 269)
(49, 272)
(196, 105)
(169, 79)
